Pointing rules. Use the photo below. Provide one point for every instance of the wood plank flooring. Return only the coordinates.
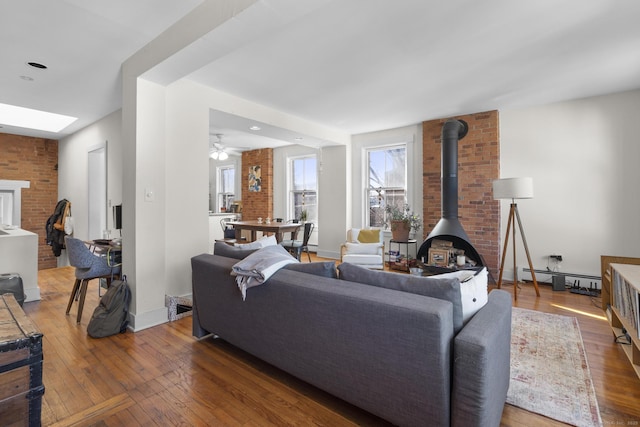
(163, 376)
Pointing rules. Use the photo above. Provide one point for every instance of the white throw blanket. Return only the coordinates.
(256, 269)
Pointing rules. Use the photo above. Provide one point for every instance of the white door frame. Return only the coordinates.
(97, 191)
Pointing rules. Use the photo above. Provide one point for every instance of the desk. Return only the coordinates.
(278, 228)
(106, 248)
(113, 254)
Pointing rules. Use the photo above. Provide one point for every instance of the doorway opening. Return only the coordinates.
(97, 198)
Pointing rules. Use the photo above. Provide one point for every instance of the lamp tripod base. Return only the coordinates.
(514, 216)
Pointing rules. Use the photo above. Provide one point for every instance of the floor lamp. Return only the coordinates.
(514, 188)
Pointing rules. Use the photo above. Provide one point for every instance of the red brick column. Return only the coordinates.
(478, 166)
(35, 160)
(257, 203)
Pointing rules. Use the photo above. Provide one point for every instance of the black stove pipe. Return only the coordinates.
(452, 131)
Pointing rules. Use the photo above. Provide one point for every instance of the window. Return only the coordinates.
(304, 187)
(226, 186)
(387, 178)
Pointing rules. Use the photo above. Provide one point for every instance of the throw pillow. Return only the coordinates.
(324, 269)
(362, 248)
(473, 290)
(355, 232)
(223, 249)
(447, 289)
(262, 242)
(369, 236)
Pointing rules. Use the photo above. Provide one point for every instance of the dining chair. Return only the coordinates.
(229, 233)
(295, 247)
(88, 266)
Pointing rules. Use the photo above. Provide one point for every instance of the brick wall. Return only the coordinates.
(478, 166)
(35, 160)
(257, 203)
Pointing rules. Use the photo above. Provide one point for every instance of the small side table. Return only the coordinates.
(397, 266)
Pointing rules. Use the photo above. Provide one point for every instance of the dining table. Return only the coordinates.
(277, 228)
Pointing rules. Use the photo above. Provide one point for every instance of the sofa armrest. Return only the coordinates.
(205, 270)
(481, 364)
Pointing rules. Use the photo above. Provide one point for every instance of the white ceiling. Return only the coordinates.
(352, 65)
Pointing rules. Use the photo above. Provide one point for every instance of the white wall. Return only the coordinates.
(334, 199)
(73, 170)
(583, 157)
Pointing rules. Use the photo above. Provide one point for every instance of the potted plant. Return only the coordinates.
(402, 221)
(303, 216)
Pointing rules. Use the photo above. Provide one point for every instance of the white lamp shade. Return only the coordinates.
(513, 188)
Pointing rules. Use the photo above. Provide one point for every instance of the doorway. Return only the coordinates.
(97, 198)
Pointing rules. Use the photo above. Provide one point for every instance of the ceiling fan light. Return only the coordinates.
(214, 155)
(223, 155)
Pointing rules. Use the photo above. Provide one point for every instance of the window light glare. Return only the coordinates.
(254, 128)
(11, 115)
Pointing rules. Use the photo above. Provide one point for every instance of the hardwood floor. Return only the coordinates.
(163, 376)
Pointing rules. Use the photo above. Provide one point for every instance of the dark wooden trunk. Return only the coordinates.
(21, 387)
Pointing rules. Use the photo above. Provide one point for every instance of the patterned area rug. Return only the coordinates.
(549, 370)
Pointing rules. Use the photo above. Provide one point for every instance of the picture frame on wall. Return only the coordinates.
(255, 178)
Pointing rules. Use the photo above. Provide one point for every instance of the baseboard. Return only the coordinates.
(328, 254)
(138, 322)
(32, 294)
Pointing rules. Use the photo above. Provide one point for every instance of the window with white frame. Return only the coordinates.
(226, 186)
(303, 182)
(386, 171)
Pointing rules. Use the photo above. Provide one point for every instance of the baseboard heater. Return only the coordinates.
(559, 279)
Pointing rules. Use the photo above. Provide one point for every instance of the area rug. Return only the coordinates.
(549, 370)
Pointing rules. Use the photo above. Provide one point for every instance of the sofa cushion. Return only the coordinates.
(363, 248)
(362, 259)
(324, 269)
(225, 250)
(447, 289)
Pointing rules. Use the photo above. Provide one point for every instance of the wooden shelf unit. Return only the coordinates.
(629, 270)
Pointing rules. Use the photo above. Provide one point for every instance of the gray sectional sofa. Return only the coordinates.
(402, 356)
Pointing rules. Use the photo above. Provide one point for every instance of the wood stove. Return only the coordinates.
(449, 227)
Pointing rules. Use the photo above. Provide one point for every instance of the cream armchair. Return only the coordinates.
(364, 247)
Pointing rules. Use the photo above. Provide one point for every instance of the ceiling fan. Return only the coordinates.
(217, 150)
